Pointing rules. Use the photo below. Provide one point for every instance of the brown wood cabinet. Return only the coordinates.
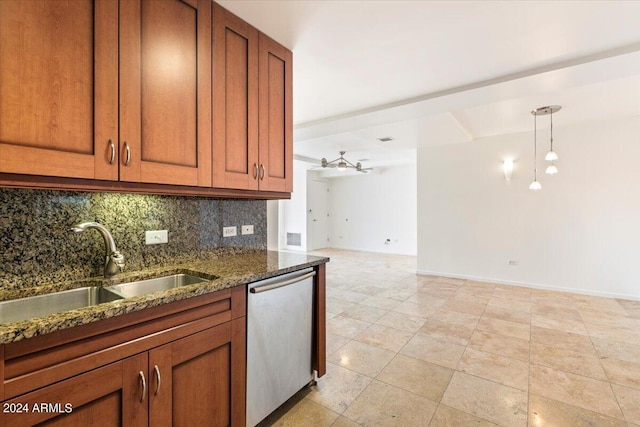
(59, 88)
(252, 107)
(179, 364)
(165, 91)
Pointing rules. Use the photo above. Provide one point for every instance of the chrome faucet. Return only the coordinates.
(114, 261)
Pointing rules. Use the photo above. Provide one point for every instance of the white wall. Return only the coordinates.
(365, 210)
(292, 212)
(580, 233)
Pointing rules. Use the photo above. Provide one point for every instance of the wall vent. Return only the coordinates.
(294, 239)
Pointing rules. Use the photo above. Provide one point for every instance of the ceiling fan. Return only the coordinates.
(343, 164)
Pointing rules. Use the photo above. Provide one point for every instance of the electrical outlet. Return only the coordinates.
(247, 229)
(229, 231)
(156, 237)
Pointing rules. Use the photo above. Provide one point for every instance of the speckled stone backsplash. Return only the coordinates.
(36, 246)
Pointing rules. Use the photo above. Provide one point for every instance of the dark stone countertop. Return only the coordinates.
(223, 271)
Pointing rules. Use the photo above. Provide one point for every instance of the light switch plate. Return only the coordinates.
(156, 237)
(229, 231)
(247, 229)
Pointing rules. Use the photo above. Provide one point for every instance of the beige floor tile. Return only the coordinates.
(419, 377)
(345, 326)
(344, 422)
(501, 369)
(396, 294)
(401, 321)
(430, 291)
(556, 312)
(632, 308)
(337, 305)
(457, 334)
(432, 350)
(426, 300)
(446, 416)
(455, 317)
(567, 360)
(363, 358)
(452, 280)
(500, 344)
(565, 325)
(546, 412)
(334, 342)
(307, 413)
(464, 306)
(338, 388)
(614, 320)
(617, 350)
(575, 342)
(613, 333)
(586, 393)
(384, 337)
(508, 314)
(505, 406)
(622, 372)
(368, 289)
(504, 327)
(364, 313)
(351, 296)
(629, 399)
(413, 309)
(382, 405)
(380, 302)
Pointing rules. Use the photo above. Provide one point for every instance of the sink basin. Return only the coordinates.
(42, 305)
(142, 287)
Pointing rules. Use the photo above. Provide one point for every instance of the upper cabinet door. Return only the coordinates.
(165, 91)
(59, 88)
(276, 116)
(235, 102)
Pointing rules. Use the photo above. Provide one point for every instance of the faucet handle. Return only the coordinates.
(118, 259)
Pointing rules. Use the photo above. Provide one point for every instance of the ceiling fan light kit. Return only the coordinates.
(343, 164)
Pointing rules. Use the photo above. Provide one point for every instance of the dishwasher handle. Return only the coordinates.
(277, 285)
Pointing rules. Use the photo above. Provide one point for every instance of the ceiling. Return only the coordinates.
(430, 72)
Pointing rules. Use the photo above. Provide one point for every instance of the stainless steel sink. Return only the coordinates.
(142, 287)
(42, 305)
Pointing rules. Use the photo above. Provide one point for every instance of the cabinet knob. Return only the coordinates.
(144, 386)
(113, 152)
(127, 150)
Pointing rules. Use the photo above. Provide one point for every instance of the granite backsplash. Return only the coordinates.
(37, 247)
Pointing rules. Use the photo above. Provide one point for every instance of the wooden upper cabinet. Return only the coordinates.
(252, 107)
(235, 102)
(59, 88)
(276, 116)
(165, 92)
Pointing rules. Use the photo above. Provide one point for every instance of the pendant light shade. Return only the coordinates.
(551, 156)
(535, 185)
(551, 169)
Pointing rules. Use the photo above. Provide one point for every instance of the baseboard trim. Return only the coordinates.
(530, 285)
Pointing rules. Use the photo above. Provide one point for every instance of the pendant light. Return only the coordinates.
(551, 155)
(535, 185)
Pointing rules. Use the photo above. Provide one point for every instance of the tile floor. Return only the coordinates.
(408, 350)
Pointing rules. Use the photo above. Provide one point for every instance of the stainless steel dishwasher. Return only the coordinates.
(279, 341)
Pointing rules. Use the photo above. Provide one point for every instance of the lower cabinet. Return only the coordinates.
(183, 378)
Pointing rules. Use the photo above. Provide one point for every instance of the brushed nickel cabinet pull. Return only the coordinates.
(127, 159)
(255, 171)
(144, 386)
(113, 152)
(261, 172)
(158, 378)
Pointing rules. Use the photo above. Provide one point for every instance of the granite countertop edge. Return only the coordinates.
(221, 273)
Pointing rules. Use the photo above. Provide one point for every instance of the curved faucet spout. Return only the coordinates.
(114, 260)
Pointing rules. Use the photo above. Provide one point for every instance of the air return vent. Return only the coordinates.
(294, 239)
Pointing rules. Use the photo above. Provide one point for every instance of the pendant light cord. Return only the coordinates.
(552, 129)
(535, 147)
